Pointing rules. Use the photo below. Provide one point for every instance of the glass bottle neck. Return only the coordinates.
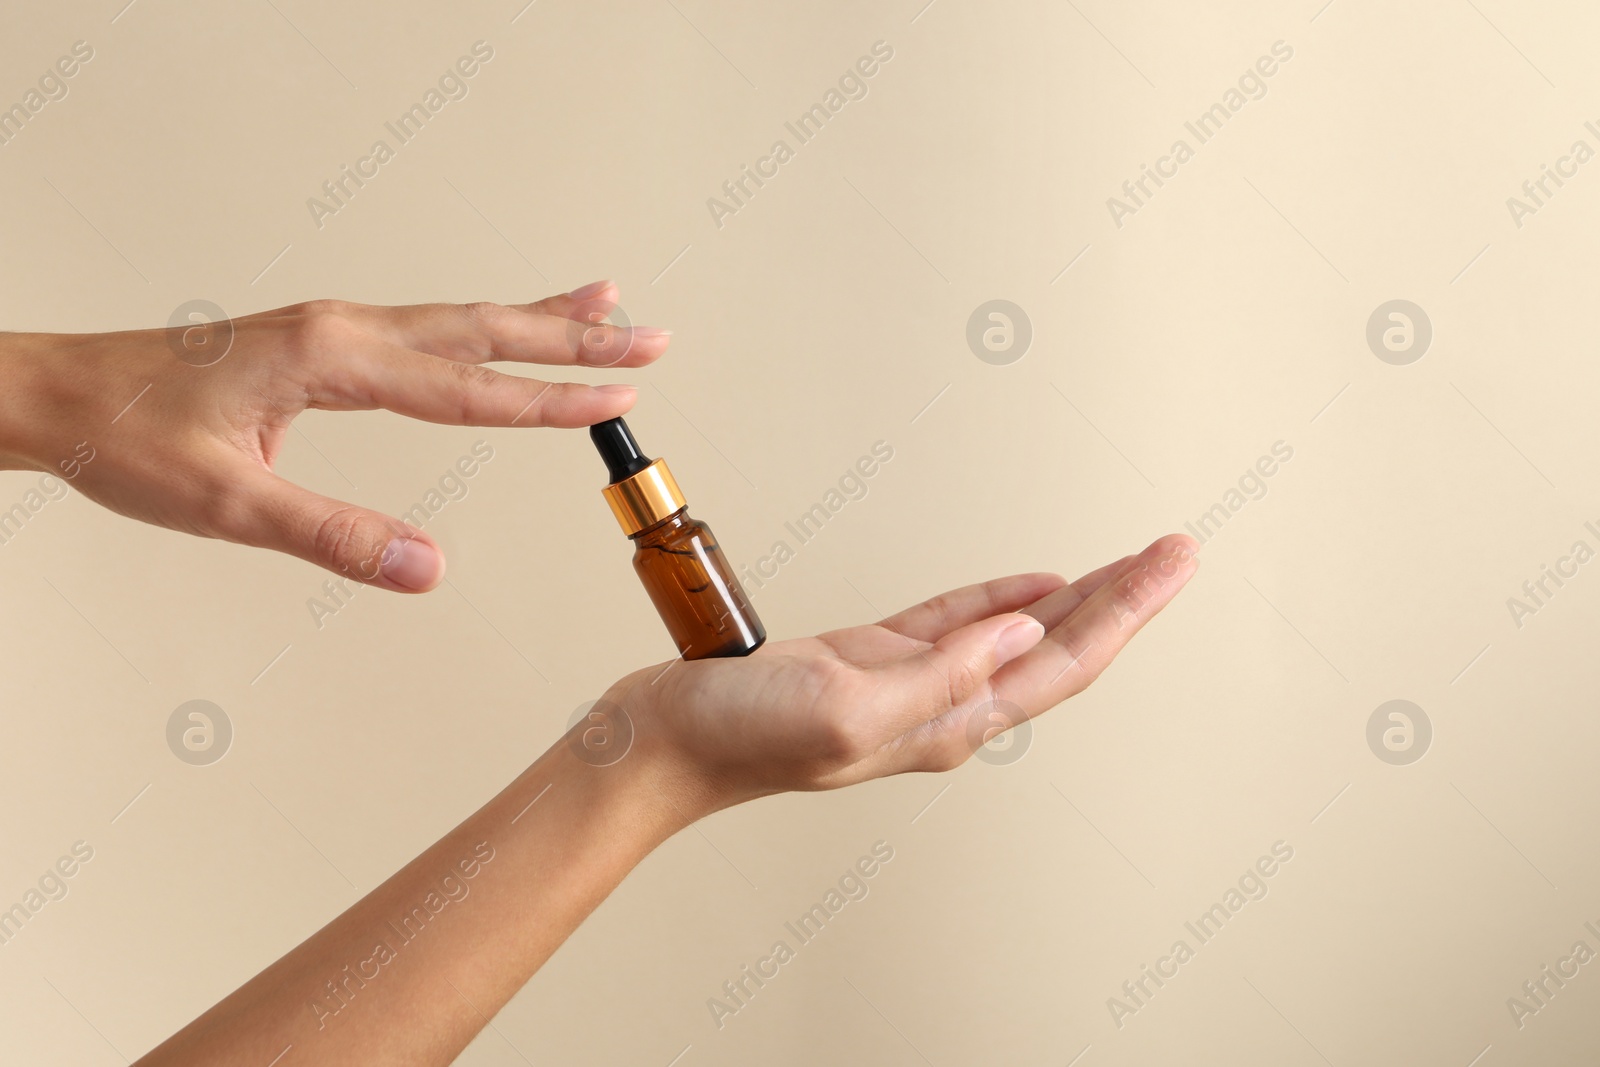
(666, 527)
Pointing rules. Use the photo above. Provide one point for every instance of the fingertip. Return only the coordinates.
(412, 565)
(1019, 634)
(648, 344)
(585, 405)
(653, 339)
(1158, 574)
(589, 304)
(575, 406)
(592, 290)
(1174, 544)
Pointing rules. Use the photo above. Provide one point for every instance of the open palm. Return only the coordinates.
(918, 691)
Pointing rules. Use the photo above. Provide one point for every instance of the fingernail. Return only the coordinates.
(615, 390)
(584, 292)
(649, 332)
(411, 564)
(1017, 638)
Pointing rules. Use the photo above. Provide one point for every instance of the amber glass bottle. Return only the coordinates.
(677, 557)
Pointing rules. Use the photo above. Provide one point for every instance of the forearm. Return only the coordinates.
(411, 972)
(24, 401)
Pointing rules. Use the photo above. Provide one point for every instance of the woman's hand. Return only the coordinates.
(180, 427)
(916, 692)
(919, 691)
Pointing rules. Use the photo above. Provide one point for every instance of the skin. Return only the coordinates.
(196, 449)
(666, 745)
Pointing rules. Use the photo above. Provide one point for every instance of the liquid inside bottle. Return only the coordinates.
(694, 589)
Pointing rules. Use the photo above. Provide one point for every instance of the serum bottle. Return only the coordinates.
(677, 557)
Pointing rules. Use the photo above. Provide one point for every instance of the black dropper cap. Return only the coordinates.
(618, 448)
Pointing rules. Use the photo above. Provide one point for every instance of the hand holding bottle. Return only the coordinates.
(150, 424)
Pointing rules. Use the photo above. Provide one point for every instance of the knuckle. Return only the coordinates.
(962, 679)
(1086, 667)
(475, 384)
(597, 338)
(322, 307)
(939, 606)
(947, 754)
(839, 727)
(320, 329)
(543, 401)
(337, 535)
(837, 736)
(483, 312)
(1090, 675)
(224, 510)
(603, 345)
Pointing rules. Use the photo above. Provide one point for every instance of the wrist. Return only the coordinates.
(619, 758)
(633, 716)
(603, 776)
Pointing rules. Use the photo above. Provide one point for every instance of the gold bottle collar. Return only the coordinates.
(641, 500)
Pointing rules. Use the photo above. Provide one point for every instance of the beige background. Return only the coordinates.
(1228, 314)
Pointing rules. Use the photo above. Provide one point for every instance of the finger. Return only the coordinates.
(1100, 575)
(946, 741)
(356, 543)
(1061, 603)
(460, 394)
(1075, 651)
(485, 332)
(925, 684)
(587, 303)
(937, 616)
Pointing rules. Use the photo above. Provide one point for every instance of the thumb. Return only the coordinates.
(361, 544)
(948, 674)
